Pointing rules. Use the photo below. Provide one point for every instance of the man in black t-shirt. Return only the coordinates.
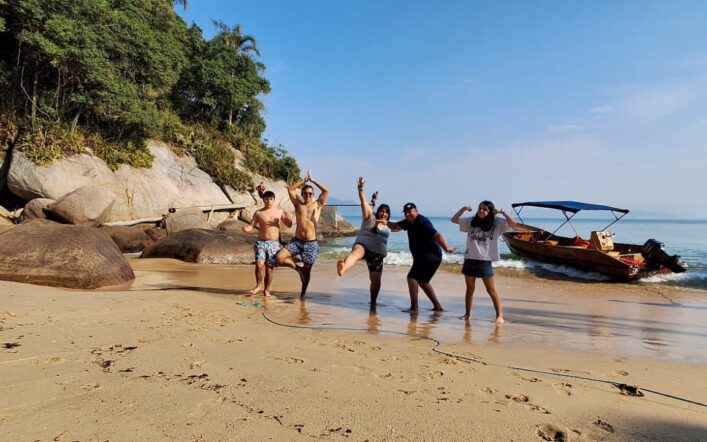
(425, 242)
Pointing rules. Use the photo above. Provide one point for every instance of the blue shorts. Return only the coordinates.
(265, 251)
(477, 269)
(309, 250)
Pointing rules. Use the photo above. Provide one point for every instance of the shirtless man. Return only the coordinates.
(304, 243)
(268, 220)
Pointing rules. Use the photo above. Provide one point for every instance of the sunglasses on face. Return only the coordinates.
(307, 193)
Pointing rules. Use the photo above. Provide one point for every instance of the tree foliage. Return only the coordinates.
(124, 70)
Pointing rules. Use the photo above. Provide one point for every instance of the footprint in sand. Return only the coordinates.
(621, 373)
(518, 397)
(289, 360)
(488, 390)
(551, 433)
(538, 408)
(603, 425)
(526, 379)
(50, 361)
(429, 374)
(563, 388)
(197, 364)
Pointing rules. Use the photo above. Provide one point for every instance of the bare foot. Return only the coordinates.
(255, 290)
(267, 293)
(500, 320)
(438, 309)
(410, 310)
(340, 267)
(465, 317)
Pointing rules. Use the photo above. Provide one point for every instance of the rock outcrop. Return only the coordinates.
(129, 239)
(172, 181)
(47, 253)
(85, 206)
(35, 209)
(205, 247)
(185, 219)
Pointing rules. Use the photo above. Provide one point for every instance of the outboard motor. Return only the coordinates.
(652, 251)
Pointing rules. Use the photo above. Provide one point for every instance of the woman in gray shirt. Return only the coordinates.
(371, 243)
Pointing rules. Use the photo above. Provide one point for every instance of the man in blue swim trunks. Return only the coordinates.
(268, 220)
(425, 242)
(307, 213)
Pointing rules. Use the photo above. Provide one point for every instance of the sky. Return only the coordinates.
(449, 103)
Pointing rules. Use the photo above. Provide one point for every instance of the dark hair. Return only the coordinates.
(268, 194)
(383, 207)
(307, 186)
(486, 224)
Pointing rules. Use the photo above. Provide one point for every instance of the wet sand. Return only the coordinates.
(184, 354)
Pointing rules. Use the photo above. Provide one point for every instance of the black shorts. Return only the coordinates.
(424, 267)
(477, 269)
(374, 261)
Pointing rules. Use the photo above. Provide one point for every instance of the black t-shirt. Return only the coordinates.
(421, 236)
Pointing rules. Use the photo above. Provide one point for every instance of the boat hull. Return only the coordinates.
(586, 259)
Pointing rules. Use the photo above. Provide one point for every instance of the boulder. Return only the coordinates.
(231, 225)
(333, 224)
(156, 233)
(35, 209)
(47, 253)
(204, 246)
(129, 239)
(85, 206)
(172, 181)
(184, 219)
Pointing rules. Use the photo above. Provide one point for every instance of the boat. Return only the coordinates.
(599, 253)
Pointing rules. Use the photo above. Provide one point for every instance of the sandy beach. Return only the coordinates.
(183, 354)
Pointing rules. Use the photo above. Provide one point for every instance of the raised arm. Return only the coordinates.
(511, 221)
(443, 242)
(325, 191)
(460, 212)
(366, 211)
(292, 190)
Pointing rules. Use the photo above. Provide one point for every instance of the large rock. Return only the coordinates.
(333, 224)
(35, 209)
(85, 206)
(185, 219)
(129, 239)
(231, 225)
(204, 246)
(46, 253)
(172, 181)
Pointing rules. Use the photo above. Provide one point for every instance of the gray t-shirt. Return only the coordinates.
(482, 245)
(373, 242)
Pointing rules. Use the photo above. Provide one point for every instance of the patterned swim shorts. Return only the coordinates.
(374, 261)
(308, 249)
(265, 251)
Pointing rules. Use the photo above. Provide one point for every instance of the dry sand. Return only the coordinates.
(184, 355)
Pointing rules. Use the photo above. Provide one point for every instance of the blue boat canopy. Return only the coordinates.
(568, 206)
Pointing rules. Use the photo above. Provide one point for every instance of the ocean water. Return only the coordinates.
(686, 238)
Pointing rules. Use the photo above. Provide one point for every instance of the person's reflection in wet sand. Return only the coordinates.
(373, 322)
(467, 332)
(303, 316)
(423, 329)
(495, 336)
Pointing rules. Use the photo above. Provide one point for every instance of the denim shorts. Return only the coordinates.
(477, 269)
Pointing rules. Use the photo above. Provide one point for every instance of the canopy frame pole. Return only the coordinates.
(567, 220)
(614, 221)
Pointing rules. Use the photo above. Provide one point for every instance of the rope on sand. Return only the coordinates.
(626, 389)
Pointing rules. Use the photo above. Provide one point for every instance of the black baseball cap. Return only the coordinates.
(409, 206)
